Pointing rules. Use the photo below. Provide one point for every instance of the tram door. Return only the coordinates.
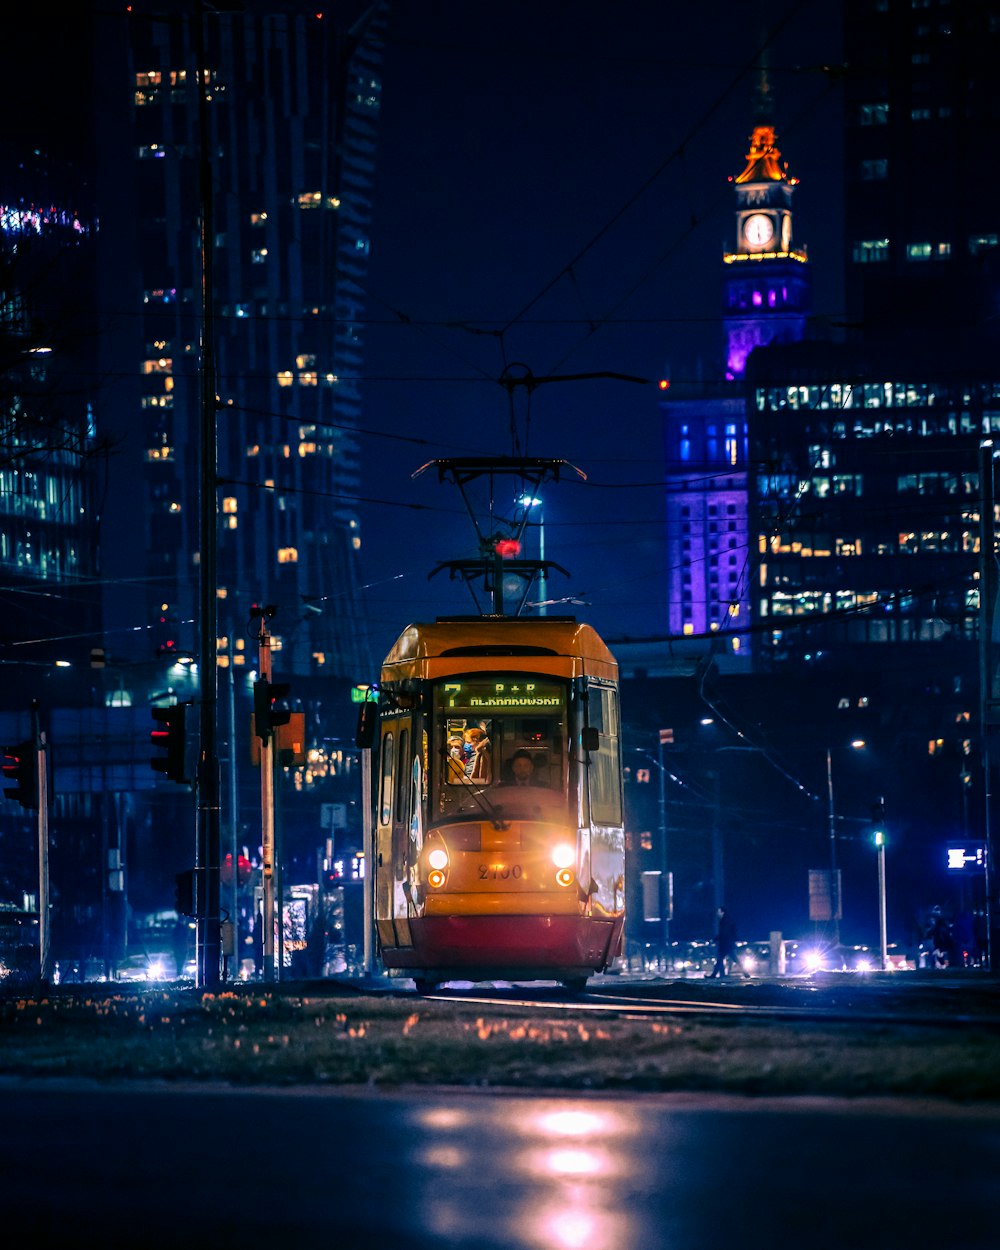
(392, 889)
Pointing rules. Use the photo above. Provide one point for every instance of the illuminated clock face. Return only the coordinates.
(786, 233)
(758, 230)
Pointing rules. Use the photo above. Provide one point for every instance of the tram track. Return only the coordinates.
(625, 1005)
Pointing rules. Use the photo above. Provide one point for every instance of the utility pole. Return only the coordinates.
(666, 735)
(989, 703)
(209, 840)
(42, 785)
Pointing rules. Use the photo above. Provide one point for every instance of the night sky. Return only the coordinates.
(552, 191)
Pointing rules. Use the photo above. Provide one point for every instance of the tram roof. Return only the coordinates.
(481, 636)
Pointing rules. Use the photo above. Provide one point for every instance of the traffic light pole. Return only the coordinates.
(267, 810)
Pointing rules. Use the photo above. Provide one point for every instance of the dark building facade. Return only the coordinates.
(920, 198)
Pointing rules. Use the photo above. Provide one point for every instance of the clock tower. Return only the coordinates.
(766, 284)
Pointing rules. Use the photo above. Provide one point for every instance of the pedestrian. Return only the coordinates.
(725, 945)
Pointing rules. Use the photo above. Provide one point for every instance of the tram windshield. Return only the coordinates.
(499, 742)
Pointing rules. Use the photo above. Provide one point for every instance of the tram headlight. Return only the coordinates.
(563, 855)
(438, 857)
(435, 878)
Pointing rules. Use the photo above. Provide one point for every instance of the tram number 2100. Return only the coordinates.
(499, 872)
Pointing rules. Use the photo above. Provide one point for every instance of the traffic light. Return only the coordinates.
(172, 737)
(189, 893)
(367, 727)
(20, 765)
(265, 718)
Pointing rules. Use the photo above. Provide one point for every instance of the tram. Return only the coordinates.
(499, 847)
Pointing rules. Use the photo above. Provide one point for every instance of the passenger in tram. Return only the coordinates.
(478, 767)
(456, 760)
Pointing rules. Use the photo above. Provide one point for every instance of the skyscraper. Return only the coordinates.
(276, 156)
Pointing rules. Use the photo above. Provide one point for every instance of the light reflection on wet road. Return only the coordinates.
(154, 1165)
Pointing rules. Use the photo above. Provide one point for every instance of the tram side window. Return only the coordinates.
(605, 785)
(385, 799)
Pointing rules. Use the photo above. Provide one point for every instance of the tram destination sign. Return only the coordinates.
(507, 695)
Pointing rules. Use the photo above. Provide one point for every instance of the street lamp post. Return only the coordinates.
(880, 848)
(834, 882)
(531, 501)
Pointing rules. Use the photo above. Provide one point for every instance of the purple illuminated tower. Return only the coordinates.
(766, 284)
(766, 300)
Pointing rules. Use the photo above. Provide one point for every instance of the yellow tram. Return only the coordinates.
(499, 848)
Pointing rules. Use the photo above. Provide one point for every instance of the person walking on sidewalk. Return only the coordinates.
(725, 945)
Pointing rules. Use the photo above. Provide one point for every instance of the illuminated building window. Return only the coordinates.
(151, 78)
(943, 250)
(229, 504)
(163, 365)
(232, 522)
(920, 115)
(174, 507)
(874, 170)
(870, 251)
(258, 219)
(307, 449)
(979, 242)
(259, 255)
(319, 657)
(919, 251)
(310, 199)
(873, 114)
(288, 555)
(254, 450)
(286, 377)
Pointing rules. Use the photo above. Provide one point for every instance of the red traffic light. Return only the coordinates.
(173, 739)
(20, 765)
(507, 548)
(265, 718)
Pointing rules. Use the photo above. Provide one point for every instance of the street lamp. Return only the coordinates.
(531, 501)
(880, 848)
(836, 908)
(834, 880)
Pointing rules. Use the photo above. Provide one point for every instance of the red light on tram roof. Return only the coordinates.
(664, 384)
(508, 547)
